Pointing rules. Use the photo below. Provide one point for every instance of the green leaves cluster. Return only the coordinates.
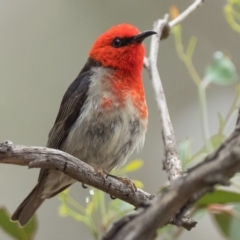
(99, 213)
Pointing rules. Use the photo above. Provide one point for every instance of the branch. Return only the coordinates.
(217, 168)
(187, 12)
(171, 163)
(41, 157)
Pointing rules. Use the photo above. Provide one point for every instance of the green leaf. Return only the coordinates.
(232, 14)
(235, 223)
(119, 206)
(177, 30)
(219, 196)
(229, 222)
(223, 221)
(96, 198)
(199, 213)
(222, 71)
(191, 47)
(184, 151)
(133, 166)
(31, 228)
(164, 232)
(13, 229)
(138, 183)
(217, 140)
(221, 122)
(63, 210)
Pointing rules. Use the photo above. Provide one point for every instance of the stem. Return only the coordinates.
(187, 59)
(75, 204)
(203, 104)
(102, 204)
(191, 69)
(230, 112)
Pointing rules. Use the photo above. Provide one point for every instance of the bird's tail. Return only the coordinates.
(27, 208)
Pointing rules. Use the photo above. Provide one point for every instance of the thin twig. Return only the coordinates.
(187, 12)
(171, 163)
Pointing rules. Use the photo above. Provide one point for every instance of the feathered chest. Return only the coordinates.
(113, 90)
(109, 127)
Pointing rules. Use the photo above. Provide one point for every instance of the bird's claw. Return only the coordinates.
(126, 181)
(129, 183)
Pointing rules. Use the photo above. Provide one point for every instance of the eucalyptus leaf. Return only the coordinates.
(13, 229)
(133, 166)
(219, 196)
(229, 223)
(221, 122)
(235, 223)
(138, 183)
(222, 71)
(31, 228)
(184, 151)
(215, 140)
(223, 221)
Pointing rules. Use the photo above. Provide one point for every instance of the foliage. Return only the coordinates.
(232, 14)
(12, 228)
(223, 204)
(99, 214)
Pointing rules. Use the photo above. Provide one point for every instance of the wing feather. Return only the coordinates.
(71, 105)
(70, 110)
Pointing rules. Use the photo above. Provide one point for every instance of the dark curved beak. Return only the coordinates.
(141, 36)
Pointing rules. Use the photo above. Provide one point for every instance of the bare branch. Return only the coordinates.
(41, 157)
(171, 163)
(187, 12)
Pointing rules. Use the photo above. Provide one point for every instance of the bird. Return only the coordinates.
(103, 115)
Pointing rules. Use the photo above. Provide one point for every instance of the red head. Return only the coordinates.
(121, 48)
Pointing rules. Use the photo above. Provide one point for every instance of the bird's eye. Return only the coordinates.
(117, 42)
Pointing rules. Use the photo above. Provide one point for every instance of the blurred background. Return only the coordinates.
(43, 46)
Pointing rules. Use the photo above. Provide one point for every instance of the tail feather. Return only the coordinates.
(27, 208)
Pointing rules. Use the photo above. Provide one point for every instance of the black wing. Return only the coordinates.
(71, 105)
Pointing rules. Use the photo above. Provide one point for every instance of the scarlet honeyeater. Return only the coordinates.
(103, 115)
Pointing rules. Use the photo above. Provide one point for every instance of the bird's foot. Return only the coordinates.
(126, 181)
(103, 173)
(129, 183)
(99, 171)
